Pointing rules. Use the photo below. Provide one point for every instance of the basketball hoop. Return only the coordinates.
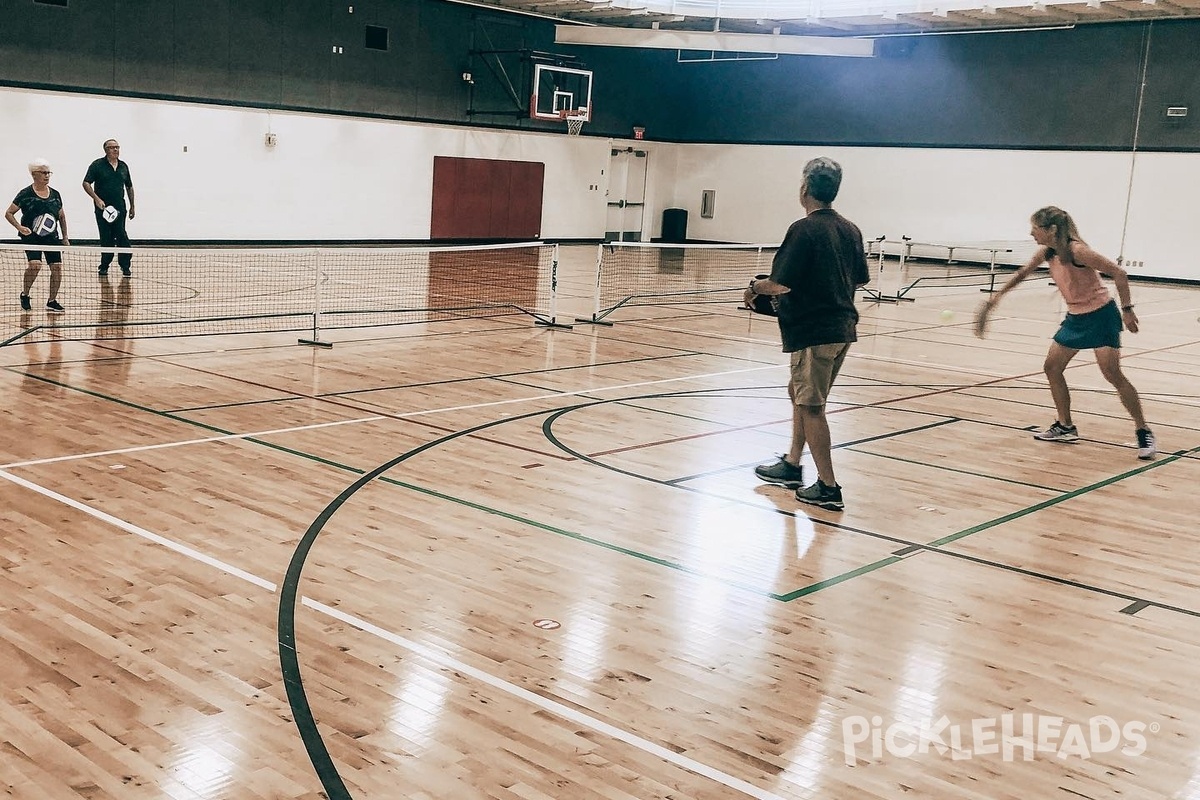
(574, 119)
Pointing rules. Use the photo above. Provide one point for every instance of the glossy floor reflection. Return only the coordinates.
(990, 617)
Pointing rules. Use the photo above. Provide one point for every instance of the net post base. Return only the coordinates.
(593, 321)
(550, 323)
(315, 343)
(877, 297)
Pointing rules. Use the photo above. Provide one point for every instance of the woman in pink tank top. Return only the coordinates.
(1092, 322)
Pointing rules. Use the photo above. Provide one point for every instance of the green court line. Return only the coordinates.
(954, 537)
(646, 557)
(813, 588)
(843, 445)
(957, 471)
(786, 597)
(579, 537)
(936, 545)
(195, 423)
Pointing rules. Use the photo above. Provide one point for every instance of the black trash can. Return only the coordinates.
(674, 225)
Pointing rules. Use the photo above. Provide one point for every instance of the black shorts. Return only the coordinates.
(52, 256)
(1099, 328)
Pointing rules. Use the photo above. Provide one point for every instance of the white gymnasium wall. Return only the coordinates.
(941, 195)
(335, 177)
(1162, 215)
(204, 172)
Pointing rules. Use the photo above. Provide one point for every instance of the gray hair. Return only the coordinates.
(38, 163)
(823, 177)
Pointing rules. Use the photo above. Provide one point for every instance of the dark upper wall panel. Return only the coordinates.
(440, 51)
(1064, 88)
(144, 49)
(1172, 79)
(201, 48)
(396, 72)
(86, 38)
(307, 42)
(27, 45)
(352, 68)
(645, 88)
(255, 51)
(1074, 88)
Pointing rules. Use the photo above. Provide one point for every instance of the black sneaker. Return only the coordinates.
(102, 271)
(126, 271)
(1058, 433)
(1147, 446)
(54, 307)
(25, 305)
(819, 494)
(782, 472)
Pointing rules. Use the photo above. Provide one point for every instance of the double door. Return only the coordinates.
(626, 195)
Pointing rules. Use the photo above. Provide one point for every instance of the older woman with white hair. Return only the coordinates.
(43, 222)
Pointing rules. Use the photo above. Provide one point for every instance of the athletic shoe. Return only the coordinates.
(1058, 433)
(1147, 447)
(54, 307)
(820, 494)
(102, 271)
(126, 271)
(782, 472)
(25, 305)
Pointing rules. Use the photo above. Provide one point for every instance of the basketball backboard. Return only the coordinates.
(556, 89)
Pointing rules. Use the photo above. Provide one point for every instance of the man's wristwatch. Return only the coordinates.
(1127, 308)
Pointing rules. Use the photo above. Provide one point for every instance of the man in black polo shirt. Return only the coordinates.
(106, 182)
(814, 277)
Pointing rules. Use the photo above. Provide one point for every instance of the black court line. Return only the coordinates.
(878, 437)
(289, 658)
(396, 387)
(861, 571)
(1134, 608)
(936, 546)
(910, 548)
(303, 717)
(944, 468)
(1074, 411)
(305, 720)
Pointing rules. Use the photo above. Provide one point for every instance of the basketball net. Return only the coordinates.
(574, 120)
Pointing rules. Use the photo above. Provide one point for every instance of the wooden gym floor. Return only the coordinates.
(511, 562)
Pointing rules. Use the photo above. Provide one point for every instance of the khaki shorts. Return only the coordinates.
(814, 369)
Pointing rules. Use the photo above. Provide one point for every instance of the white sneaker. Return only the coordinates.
(1147, 446)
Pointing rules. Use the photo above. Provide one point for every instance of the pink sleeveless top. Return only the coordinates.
(1081, 287)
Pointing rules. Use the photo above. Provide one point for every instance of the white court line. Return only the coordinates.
(443, 659)
(707, 335)
(944, 367)
(405, 415)
(438, 656)
(129, 527)
(592, 390)
(161, 446)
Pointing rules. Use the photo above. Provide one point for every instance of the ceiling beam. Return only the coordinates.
(729, 42)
